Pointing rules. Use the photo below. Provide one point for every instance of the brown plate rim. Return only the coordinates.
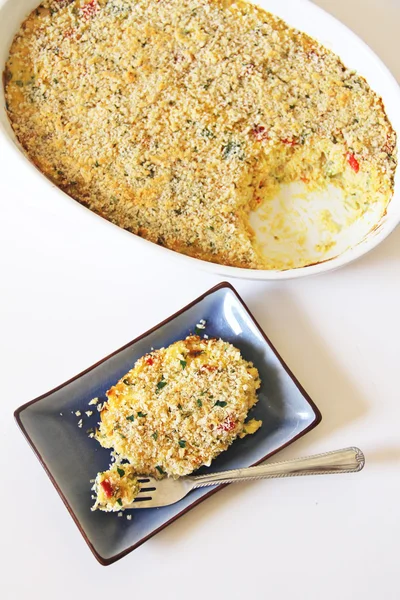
(17, 415)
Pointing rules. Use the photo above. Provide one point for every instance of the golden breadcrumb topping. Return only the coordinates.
(180, 407)
(175, 118)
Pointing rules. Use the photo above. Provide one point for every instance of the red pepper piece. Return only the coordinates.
(228, 425)
(291, 142)
(107, 487)
(260, 133)
(353, 162)
(149, 361)
(89, 9)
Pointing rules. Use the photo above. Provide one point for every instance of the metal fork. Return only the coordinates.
(155, 493)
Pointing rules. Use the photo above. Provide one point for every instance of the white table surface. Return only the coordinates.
(320, 538)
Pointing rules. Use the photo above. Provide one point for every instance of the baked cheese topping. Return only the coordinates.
(175, 118)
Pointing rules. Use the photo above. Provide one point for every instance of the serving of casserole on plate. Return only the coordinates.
(211, 128)
(175, 411)
(60, 425)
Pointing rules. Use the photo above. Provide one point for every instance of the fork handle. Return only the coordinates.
(348, 460)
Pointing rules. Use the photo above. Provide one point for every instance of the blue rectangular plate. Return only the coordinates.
(71, 458)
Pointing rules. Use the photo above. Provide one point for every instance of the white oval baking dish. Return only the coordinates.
(307, 17)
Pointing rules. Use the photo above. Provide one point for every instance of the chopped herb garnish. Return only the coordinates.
(207, 133)
(141, 414)
(119, 501)
(221, 403)
(199, 402)
(180, 406)
(160, 470)
(130, 418)
(182, 443)
(232, 149)
(161, 384)
(19, 83)
(55, 80)
(121, 472)
(97, 164)
(155, 435)
(183, 363)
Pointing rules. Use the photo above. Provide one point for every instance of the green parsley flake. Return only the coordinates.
(183, 363)
(119, 501)
(141, 414)
(182, 443)
(221, 403)
(199, 402)
(130, 418)
(232, 149)
(155, 435)
(160, 470)
(161, 384)
(121, 472)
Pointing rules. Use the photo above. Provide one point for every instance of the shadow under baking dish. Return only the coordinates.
(71, 458)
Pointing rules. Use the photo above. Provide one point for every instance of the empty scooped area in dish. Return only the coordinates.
(312, 204)
(302, 226)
